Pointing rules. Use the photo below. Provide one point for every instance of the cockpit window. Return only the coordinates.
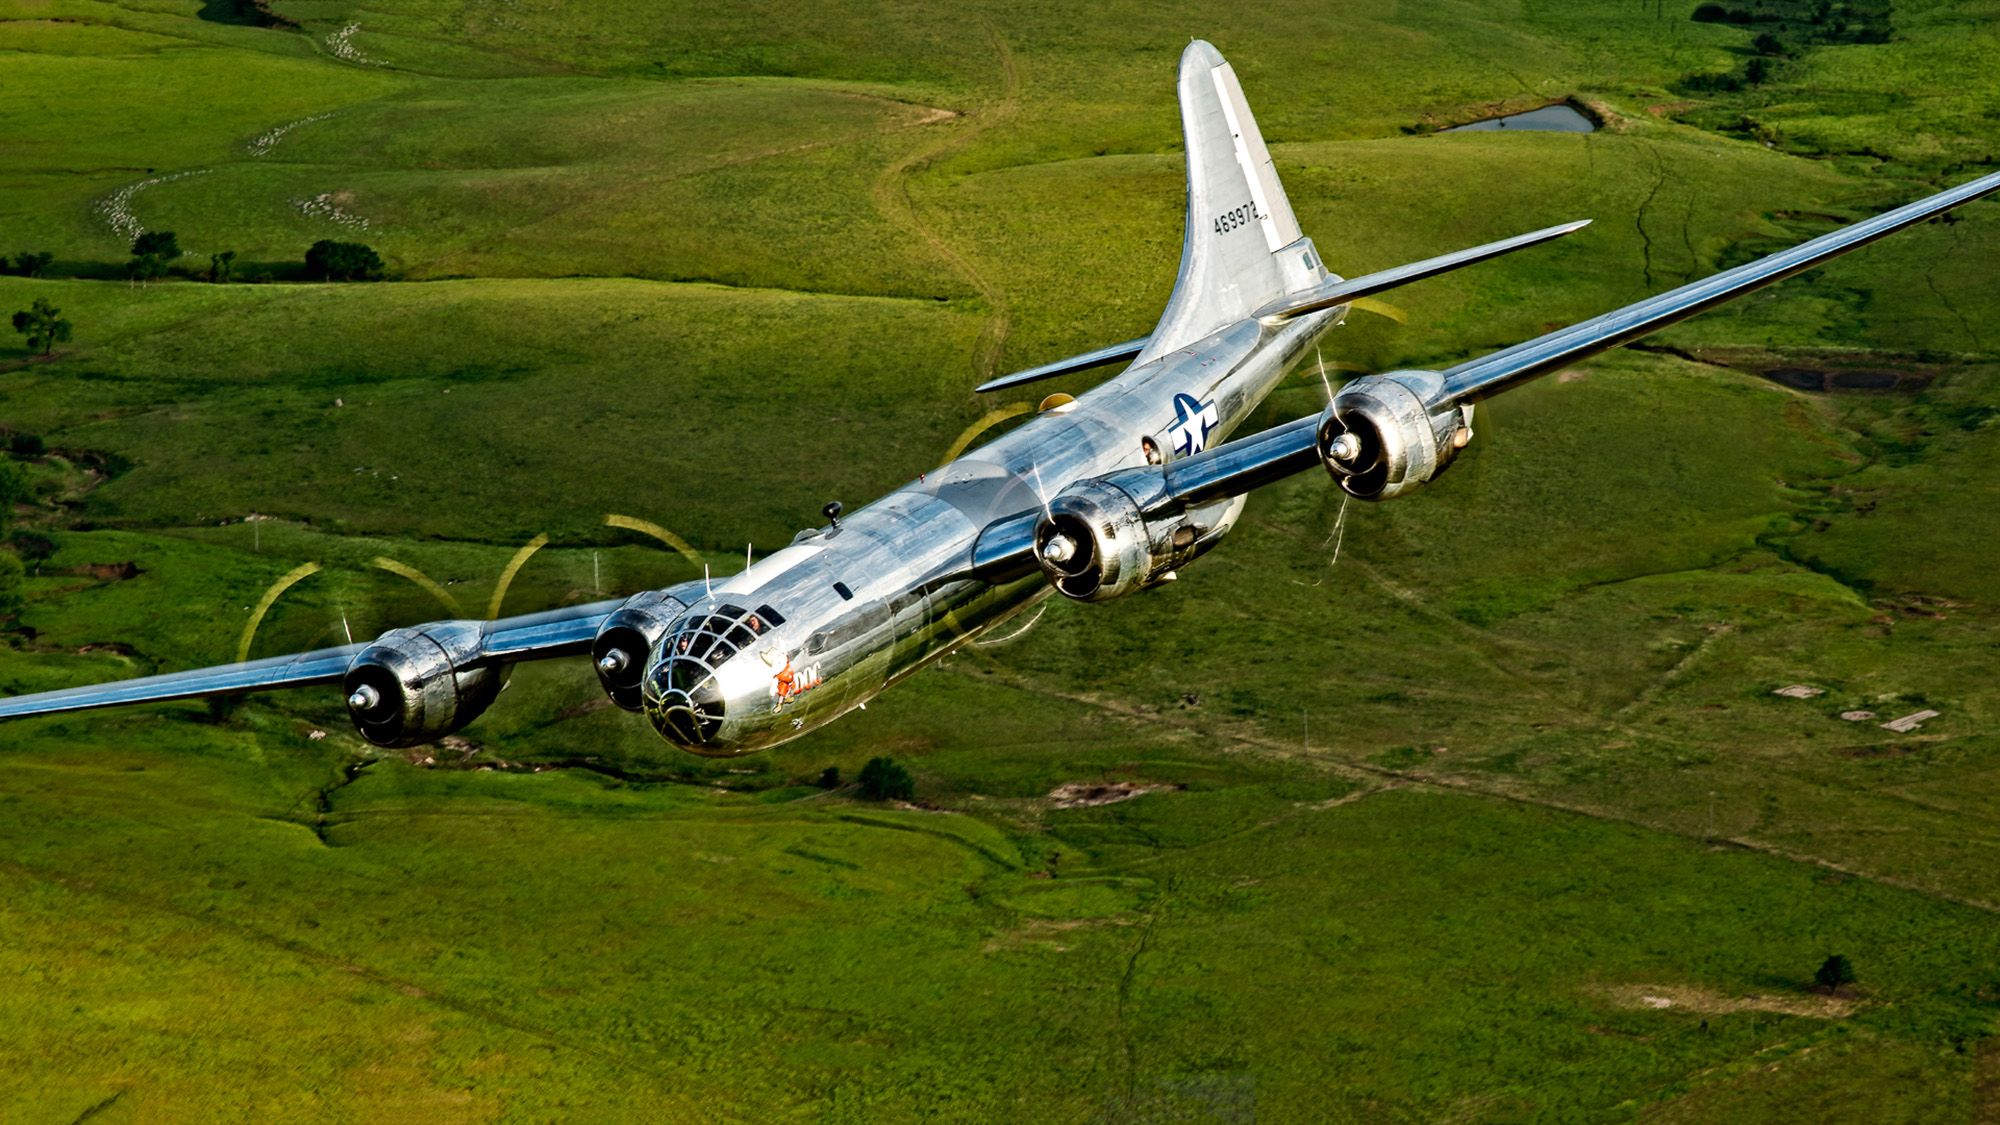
(722, 633)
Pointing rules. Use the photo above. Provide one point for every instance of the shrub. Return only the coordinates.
(831, 778)
(1711, 83)
(882, 780)
(1716, 13)
(1834, 972)
(27, 445)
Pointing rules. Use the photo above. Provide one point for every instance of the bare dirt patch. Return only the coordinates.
(109, 572)
(1709, 1002)
(1050, 931)
(1086, 794)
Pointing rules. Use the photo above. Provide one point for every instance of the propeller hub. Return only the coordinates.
(1345, 448)
(613, 661)
(365, 698)
(1059, 549)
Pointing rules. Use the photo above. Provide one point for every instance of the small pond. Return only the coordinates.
(1813, 379)
(1548, 119)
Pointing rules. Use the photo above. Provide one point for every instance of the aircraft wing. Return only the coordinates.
(324, 666)
(534, 636)
(1235, 467)
(1482, 378)
(1238, 466)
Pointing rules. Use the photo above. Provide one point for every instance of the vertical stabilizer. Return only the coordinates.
(1242, 248)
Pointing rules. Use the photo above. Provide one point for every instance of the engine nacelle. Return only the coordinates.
(625, 641)
(417, 685)
(1095, 542)
(1382, 437)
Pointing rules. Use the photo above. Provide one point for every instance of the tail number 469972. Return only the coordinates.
(1237, 217)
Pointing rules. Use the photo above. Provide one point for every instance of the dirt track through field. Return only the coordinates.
(892, 197)
(1475, 786)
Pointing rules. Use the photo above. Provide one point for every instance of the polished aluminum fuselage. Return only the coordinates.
(888, 589)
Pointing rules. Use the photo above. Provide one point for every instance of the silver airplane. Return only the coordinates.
(1095, 498)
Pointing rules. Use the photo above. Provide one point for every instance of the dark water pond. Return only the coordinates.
(1548, 119)
(1813, 379)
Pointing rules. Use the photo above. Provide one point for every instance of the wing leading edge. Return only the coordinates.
(1236, 467)
(534, 636)
(1482, 378)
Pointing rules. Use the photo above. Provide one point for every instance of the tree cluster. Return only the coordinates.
(342, 261)
(151, 252)
(28, 263)
(155, 251)
(1858, 21)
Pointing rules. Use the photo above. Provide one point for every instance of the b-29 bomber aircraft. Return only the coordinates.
(1095, 498)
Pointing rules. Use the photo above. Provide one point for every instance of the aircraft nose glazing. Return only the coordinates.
(682, 689)
(683, 701)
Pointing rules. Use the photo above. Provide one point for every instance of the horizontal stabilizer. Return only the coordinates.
(1482, 378)
(1073, 364)
(1337, 292)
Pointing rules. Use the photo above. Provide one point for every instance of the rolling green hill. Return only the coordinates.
(1492, 817)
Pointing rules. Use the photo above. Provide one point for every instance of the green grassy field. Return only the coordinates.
(1493, 818)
